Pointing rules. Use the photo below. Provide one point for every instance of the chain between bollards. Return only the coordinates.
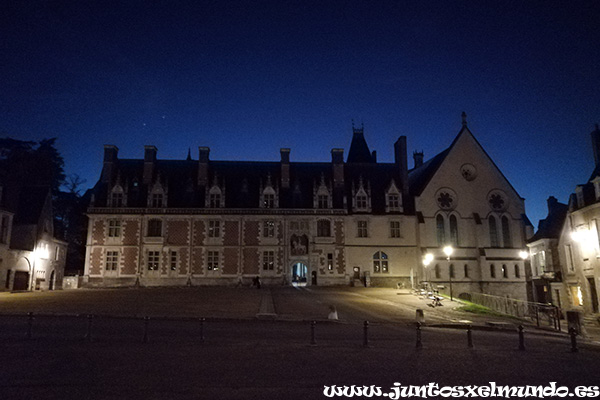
(202, 320)
(469, 336)
(29, 325)
(521, 338)
(419, 344)
(366, 334)
(313, 341)
(573, 334)
(146, 321)
(88, 334)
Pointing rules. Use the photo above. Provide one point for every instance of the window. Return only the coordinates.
(153, 260)
(114, 228)
(269, 229)
(268, 260)
(453, 230)
(214, 200)
(4, 229)
(323, 228)
(330, 261)
(157, 200)
(173, 261)
(394, 202)
(451, 270)
(155, 228)
(569, 255)
(212, 260)
(323, 201)
(504, 271)
(493, 231)
(362, 229)
(395, 229)
(441, 230)
(268, 199)
(466, 269)
(492, 270)
(437, 271)
(506, 232)
(361, 202)
(214, 229)
(380, 262)
(116, 199)
(517, 271)
(112, 260)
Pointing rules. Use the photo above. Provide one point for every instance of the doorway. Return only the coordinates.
(21, 280)
(51, 283)
(299, 272)
(313, 275)
(593, 295)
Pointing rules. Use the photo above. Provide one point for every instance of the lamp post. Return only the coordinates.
(427, 259)
(448, 250)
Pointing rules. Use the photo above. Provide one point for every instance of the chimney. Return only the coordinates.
(596, 144)
(551, 204)
(337, 159)
(110, 158)
(285, 168)
(401, 159)
(374, 156)
(203, 165)
(418, 158)
(149, 161)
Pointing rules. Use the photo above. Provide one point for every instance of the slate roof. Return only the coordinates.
(551, 226)
(31, 204)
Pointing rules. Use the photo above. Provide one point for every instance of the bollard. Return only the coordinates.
(146, 320)
(469, 337)
(521, 338)
(202, 329)
(573, 334)
(419, 344)
(313, 342)
(88, 335)
(366, 334)
(29, 325)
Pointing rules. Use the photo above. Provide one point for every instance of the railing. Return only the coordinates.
(542, 314)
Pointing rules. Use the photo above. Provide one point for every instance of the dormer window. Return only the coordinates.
(361, 202)
(322, 199)
(393, 199)
(268, 198)
(117, 197)
(214, 197)
(157, 200)
(361, 196)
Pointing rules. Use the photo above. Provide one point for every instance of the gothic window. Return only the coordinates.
(380, 262)
(323, 201)
(453, 230)
(157, 197)
(212, 260)
(157, 200)
(440, 230)
(155, 228)
(268, 198)
(153, 260)
(506, 232)
(445, 201)
(361, 202)
(214, 228)
(517, 271)
(268, 260)
(117, 197)
(215, 197)
(394, 229)
(437, 271)
(114, 228)
(268, 229)
(504, 271)
(362, 229)
(393, 199)
(497, 200)
(323, 228)
(493, 231)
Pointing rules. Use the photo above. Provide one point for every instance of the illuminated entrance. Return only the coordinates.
(299, 272)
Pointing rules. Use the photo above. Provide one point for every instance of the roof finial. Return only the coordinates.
(189, 156)
(464, 118)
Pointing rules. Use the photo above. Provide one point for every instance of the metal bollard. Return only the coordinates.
(521, 338)
(202, 329)
(469, 337)
(573, 334)
(88, 335)
(366, 334)
(29, 325)
(419, 343)
(146, 321)
(313, 341)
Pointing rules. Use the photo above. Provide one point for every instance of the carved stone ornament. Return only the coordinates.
(469, 172)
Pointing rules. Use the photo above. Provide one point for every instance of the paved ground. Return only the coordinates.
(243, 357)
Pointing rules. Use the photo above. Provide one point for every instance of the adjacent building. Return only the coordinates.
(351, 220)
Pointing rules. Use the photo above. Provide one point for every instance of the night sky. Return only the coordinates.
(247, 78)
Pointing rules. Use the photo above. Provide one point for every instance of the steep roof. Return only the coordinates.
(551, 226)
(359, 150)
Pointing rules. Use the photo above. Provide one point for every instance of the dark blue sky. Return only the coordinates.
(246, 78)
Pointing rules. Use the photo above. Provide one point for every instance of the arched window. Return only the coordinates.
(324, 228)
(493, 231)
(506, 232)
(517, 271)
(380, 262)
(492, 270)
(453, 230)
(441, 230)
(451, 270)
(466, 269)
(504, 271)
(437, 271)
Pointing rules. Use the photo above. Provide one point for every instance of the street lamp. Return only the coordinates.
(427, 259)
(448, 250)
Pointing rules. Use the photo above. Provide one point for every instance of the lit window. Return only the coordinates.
(395, 229)
(380, 262)
(269, 229)
(214, 228)
(362, 229)
(268, 260)
(323, 201)
(212, 260)
(330, 261)
(112, 260)
(155, 228)
(323, 228)
(268, 200)
(153, 260)
(114, 228)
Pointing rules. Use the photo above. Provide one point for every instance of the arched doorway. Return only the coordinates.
(22, 274)
(51, 283)
(299, 274)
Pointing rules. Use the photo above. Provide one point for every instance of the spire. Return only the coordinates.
(359, 150)
(464, 119)
(189, 156)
